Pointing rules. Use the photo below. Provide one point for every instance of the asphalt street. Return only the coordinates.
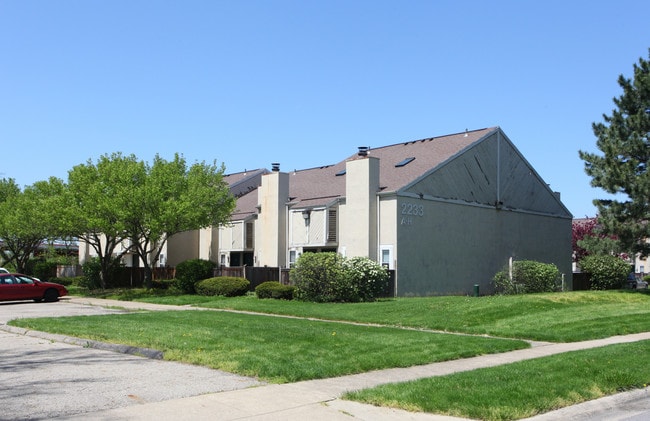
(44, 379)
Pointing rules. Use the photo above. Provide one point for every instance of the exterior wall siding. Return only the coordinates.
(388, 227)
(358, 223)
(298, 229)
(182, 246)
(237, 239)
(446, 248)
(209, 244)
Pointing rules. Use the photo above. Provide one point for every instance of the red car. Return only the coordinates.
(16, 286)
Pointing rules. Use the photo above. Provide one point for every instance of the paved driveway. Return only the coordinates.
(44, 379)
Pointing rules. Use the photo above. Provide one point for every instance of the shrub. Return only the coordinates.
(44, 270)
(528, 276)
(329, 277)
(318, 276)
(91, 274)
(68, 281)
(605, 271)
(189, 272)
(223, 285)
(367, 278)
(272, 289)
(163, 283)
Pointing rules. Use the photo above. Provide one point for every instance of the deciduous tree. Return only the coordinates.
(28, 218)
(101, 197)
(176, 198)
(122, 205)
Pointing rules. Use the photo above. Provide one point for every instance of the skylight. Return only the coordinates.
(404, 162)
(342, 172)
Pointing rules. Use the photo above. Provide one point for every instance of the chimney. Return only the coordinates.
(363, 150)
(275, 166)
(358, 222)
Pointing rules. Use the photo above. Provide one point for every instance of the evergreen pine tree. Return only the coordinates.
(622, 169)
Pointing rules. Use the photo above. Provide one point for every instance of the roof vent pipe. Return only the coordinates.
(275, 166)
(363, 150)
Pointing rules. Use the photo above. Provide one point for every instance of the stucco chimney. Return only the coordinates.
(358, 224)
(270, 238)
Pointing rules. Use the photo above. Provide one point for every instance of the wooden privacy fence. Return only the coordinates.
(134, 276)
(255, 275)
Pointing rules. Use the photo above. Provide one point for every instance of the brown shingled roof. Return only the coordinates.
(429, 153)
(321, 186)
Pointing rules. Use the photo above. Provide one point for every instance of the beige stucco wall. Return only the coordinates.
(358, 218)
(209, 244)
(182, 246)
(388, 228)
(271, 236)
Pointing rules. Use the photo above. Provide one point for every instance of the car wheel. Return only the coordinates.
(51, 295)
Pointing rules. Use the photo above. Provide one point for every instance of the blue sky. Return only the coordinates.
(305, 82)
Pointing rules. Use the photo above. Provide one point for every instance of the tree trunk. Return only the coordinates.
(148, 276)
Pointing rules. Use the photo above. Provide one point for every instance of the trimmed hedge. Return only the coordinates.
(272, 289)
(223, 285)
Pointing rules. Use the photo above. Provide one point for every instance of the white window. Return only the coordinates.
(386, 253)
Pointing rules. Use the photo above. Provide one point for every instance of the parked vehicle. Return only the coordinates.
(3, 270)
(16, 286)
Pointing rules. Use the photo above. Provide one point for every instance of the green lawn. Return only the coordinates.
(279, 349)
(556, 317)
(272, 348)
(522, 389)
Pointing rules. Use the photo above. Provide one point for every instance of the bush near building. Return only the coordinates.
(605, 271)
(528, 276)
(330, 277)
(273, 289)
(189, 272)
(226, 286)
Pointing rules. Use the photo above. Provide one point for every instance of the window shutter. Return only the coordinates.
(331, 225)
(249, 235)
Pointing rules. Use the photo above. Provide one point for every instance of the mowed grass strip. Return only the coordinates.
(523, 389)
(272, 348)
(554, 317)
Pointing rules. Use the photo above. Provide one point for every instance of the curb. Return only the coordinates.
(153, 354)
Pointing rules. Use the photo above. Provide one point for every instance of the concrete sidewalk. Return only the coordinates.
(319, 399)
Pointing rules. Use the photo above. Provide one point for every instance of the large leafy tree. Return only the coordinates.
(122, 205)
(28, 218)
(622, 168)
(172, 199)
(101, 197)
